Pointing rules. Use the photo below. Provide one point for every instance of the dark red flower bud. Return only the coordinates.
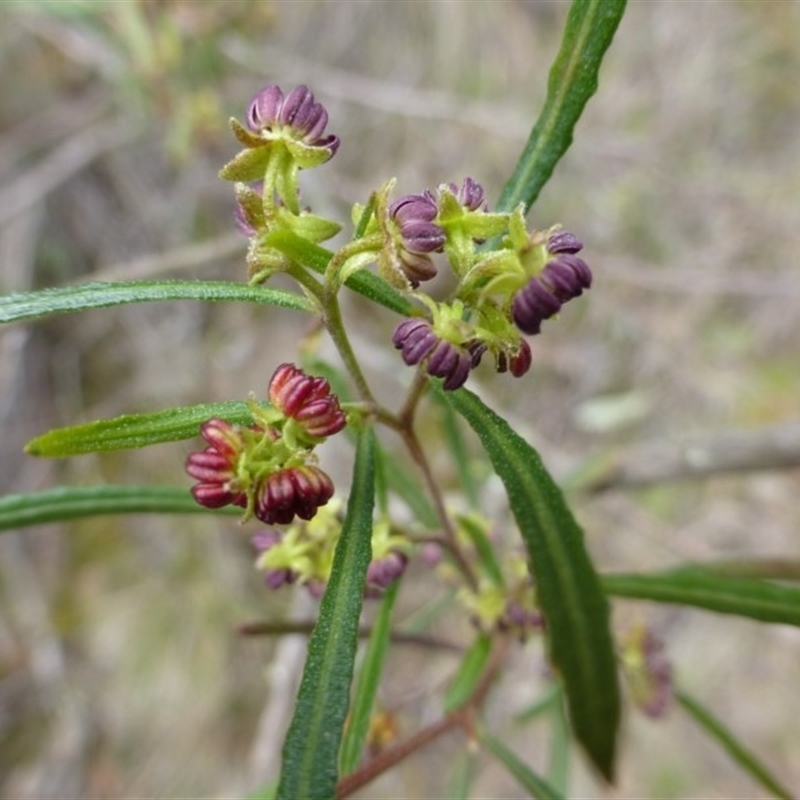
(215, 467)
(306, 399)
(296, 491)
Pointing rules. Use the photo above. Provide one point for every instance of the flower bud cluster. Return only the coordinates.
(303, 554)
(503, 292)
(502, 596)
(268, 468)
(282, 135)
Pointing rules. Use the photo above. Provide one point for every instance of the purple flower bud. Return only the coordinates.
(265, 108)
(566, 276)
(469, 195)
(419, 235)
(413, 207)
(415, 338)
(383, 572)
(563, 242)
(298, 111)
(451, 363)
(533, 304)
(417, 341)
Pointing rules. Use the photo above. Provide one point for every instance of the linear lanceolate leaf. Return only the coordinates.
(535, 784)
(71, 502)
(574, 606)
(135, 430)
(748, 761)
(367, 686)
(573, 80)
(309, 766)
(64, 299)
(694, 586)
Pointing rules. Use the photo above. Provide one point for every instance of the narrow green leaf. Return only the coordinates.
(573, 80)
(469, 673)
(364, 282)
(735, 749)
(694, 586)
(71, 502)
(575, 609)
(560, 747)
(542, 705)
(367, 686)
(463, 776)
(311, 747)
(484, 548)
(135, 430)
(533, 783)
(66, 299)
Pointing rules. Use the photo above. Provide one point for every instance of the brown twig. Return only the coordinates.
(463, 717)
(364, 632)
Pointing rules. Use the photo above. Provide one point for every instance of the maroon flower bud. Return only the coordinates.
(518, 363)
(215, 467)
(295, 491)
(299, 111)
(307, 400)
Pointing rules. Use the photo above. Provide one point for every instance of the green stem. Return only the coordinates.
(332, 319)
(334, 276)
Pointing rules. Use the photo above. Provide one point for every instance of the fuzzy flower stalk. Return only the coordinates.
(269, 468)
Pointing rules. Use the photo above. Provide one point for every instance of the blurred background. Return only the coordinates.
(121, 672)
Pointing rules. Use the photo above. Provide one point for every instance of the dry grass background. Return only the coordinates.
(120, 673)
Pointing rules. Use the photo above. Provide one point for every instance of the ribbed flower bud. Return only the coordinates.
(542, 297)
(295, 491)
(298, 111)
(215, 467)
(419, 235)
(469, 194)
(416, 340)
(307, 400)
